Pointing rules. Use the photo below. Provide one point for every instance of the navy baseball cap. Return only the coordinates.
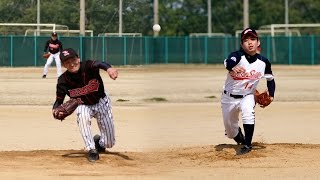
(248, 31)
(67, 53)
(54, 34)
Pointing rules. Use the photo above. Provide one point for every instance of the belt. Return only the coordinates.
(233, 95)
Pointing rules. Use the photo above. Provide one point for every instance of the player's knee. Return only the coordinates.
(231, 133)
(248, 117)
(84, 118)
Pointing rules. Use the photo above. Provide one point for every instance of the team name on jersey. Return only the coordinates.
(92, 86)
(245, 75)
(54, 46)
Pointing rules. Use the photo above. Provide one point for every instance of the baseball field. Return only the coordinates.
(168, 125)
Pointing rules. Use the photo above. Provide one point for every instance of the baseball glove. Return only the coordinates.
(263, 99)
(46, 55)
(65, 109)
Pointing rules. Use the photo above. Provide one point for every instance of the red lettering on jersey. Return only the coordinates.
(92, 86)
(53, 46)
(245, 75)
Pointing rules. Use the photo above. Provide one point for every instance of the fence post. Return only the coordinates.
(11, 50)
(186, 50)
(269, 48)
(225, 53)
(312, 49)
(290, 50)
(102, 37)
(166, 49)
(146, 50)
(206, 50)
(81, 57)
(124, 50)
(35, 51)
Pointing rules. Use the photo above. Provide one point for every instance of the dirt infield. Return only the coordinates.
(168, 126)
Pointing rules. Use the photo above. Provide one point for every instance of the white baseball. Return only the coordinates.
(156, 27)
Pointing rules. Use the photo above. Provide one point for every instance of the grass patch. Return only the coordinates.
(122, 100)
(157, 99)
(211, 97)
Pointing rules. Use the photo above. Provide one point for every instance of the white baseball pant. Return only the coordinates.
(49, 62)
(231, 109)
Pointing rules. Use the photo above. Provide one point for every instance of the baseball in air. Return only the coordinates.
(156, 28)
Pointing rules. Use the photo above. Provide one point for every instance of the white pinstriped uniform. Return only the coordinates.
(102, 111)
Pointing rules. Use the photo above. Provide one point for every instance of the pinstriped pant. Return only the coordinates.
(102, 112)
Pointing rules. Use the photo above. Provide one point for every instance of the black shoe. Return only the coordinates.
(96, 139)
(244, 150)
(44, 76)
(239, 138)
(93, 155)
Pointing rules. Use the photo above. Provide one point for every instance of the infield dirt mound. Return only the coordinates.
(165, 162)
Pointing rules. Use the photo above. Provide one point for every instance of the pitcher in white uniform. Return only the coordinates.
(245, 68)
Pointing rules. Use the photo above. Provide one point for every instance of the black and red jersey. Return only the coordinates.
(86, 85)
(54, 46)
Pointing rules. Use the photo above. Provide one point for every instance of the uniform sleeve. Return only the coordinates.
(46, 46)
(271, 84)
(232, 60)
(101, 65)
(60, 92)
(268, 72)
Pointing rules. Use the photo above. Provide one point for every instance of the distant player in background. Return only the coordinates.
(245, 68)
(82, 81)
(55, 46)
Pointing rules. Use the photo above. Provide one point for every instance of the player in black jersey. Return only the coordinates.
(55, 46)
(82, 81)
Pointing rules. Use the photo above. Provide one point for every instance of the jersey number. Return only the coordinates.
(248, 86)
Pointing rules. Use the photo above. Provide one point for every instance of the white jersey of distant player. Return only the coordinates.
(246, 82)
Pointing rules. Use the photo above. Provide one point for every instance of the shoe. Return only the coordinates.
(93, 155)
(44, 76)
(244, 150)
(239, 138)
(96, 139)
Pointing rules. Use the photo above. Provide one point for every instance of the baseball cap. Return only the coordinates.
(67, 53)
(248, 31)
(54, 34)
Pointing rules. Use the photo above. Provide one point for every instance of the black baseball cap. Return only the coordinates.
(67, 53)
(54, 34)
(248, 31)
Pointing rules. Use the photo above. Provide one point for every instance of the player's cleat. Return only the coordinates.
(239, 138)
(96, 139)
(93, 155)
(44, 76)
(244, 150)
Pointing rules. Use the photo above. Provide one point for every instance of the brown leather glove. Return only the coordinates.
(263, 99)
(65, 109)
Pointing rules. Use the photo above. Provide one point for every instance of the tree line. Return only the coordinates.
(176, 17)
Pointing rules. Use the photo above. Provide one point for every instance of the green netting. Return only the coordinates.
(316, 48)
(18, 51)
(5, 49)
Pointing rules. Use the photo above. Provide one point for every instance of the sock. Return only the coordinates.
(239, 137)
(248, 130)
